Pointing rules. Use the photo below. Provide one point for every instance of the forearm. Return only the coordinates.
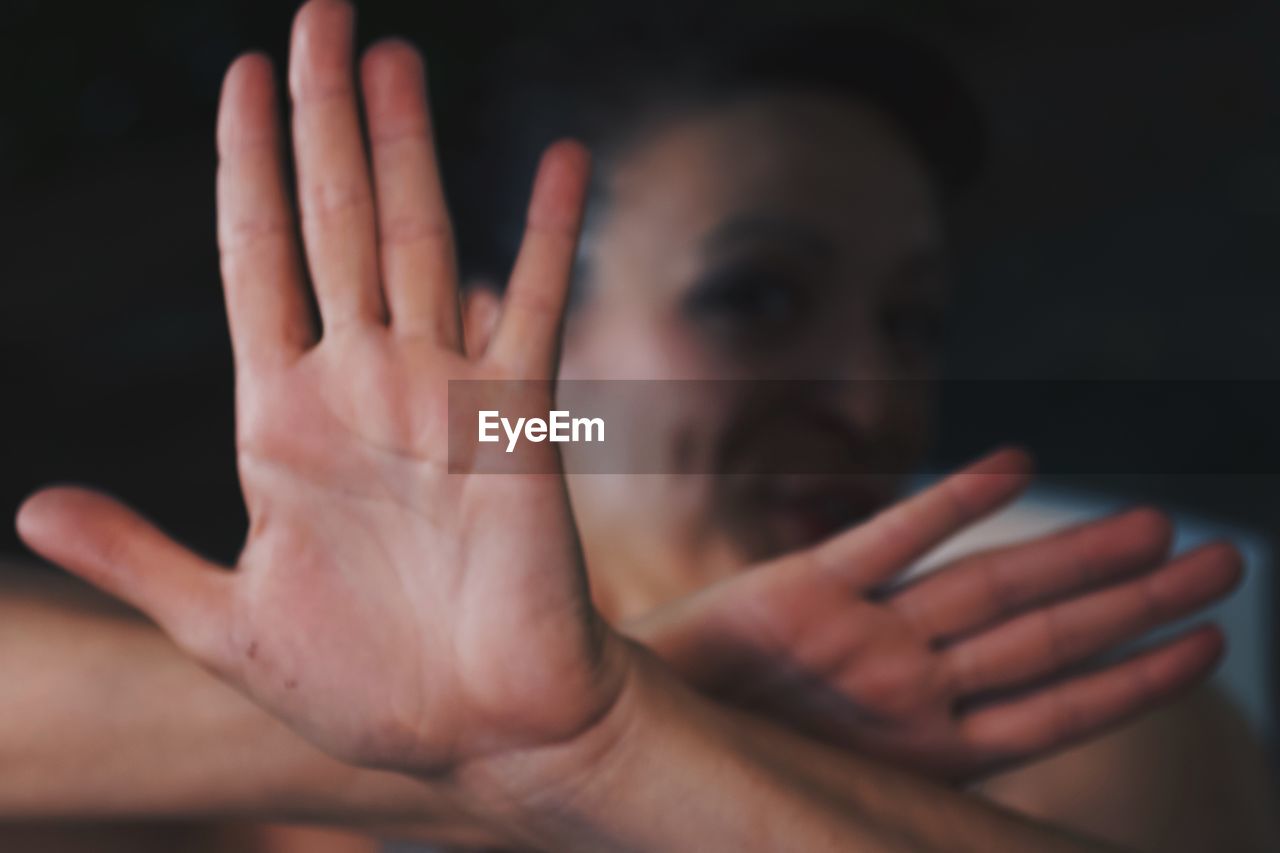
(106, 718)
(670, 770)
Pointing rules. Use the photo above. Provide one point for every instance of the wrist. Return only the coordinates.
(664, 769)
(561, 796)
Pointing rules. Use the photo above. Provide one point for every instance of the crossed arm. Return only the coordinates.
(795, 641)
(401, 618)
(180, 743)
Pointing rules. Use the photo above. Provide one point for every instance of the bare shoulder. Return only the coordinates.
(1189, 777)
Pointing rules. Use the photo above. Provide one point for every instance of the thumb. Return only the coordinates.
(115, 549)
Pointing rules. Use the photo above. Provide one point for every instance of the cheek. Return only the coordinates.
(629, 345)
(633, 527)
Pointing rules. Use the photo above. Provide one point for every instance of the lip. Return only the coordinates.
(812, 509)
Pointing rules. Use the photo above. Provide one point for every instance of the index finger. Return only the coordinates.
(528, 333)
(889, 542)
(261, 264)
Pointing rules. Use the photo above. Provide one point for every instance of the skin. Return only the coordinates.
(314, 505)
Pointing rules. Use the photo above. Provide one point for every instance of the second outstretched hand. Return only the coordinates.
(973, 668)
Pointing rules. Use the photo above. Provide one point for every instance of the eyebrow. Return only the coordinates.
(754, 227)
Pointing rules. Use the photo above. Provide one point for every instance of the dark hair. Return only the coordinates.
(607, 92)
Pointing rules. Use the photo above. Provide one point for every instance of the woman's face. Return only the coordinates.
(784, 237)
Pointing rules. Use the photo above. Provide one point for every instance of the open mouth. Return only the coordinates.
(796, 475)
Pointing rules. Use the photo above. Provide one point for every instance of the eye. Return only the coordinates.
(745, 301)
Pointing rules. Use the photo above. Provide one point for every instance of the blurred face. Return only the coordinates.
(786, 237)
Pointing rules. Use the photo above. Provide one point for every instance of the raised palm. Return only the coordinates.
(395, 611)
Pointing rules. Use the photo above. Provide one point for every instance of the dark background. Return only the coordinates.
(1126, 228)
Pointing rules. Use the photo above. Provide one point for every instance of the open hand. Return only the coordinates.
(394, 612)
(972, 668)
